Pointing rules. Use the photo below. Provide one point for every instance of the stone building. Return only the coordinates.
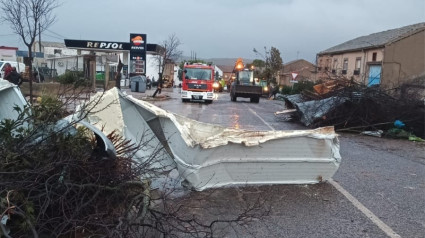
(388, 59)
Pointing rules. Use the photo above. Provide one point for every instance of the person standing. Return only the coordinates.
(14, 77)
(7, 70)
(274, 89)
(148, 83)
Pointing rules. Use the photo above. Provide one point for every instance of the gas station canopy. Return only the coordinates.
(105, 46)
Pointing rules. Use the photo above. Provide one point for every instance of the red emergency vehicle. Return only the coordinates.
(197, 82)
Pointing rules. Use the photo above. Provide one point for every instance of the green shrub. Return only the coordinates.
(298, 87)
(74, 78)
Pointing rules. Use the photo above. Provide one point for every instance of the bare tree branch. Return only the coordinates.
(28, 18)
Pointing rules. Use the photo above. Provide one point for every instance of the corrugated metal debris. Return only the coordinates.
(210, 155)
(205, 155)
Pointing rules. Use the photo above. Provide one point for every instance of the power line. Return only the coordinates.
(59, 38)
(56, 33)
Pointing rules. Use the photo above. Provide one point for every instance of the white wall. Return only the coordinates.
(7, 55)
(63, 64)
(176, 75)
(220, 72)
(152, 69)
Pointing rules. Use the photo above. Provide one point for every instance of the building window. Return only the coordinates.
(335, 65)
(345, 66)
(358, 61)
(357, 66)
(57, 51)
(374, 55)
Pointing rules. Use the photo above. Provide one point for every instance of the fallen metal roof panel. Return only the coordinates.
(209, 155)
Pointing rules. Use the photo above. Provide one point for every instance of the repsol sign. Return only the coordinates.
(105, 45)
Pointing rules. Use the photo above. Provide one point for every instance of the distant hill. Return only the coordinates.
(220, 61)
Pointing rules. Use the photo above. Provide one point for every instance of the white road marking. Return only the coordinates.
(378, 222)
(384, 227)
(255, 113)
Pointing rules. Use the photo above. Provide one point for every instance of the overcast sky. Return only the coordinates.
(229, 28)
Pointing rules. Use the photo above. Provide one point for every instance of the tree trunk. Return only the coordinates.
(118, 74)
(30, 76)
(159, 86)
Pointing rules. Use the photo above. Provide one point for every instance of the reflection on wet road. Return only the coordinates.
(375, 172)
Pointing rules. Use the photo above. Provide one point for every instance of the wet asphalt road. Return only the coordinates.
(385, 176)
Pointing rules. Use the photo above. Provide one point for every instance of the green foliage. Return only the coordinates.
(273, 63)
(50, 109)
(286, 90)
(50, 171)
(75, 78)
(298, 87)
(275, 60)
(259, 63)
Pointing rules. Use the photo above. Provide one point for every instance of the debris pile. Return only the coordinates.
(350, 106)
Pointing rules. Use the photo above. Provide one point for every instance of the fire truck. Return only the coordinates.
(197, 82)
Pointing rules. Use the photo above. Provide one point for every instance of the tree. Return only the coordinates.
(275, 60)
(167, 52)
(273, 63)
(259, 63)
(28, 18)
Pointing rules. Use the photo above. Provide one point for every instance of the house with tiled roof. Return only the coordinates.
(387, 58)
(302, 68)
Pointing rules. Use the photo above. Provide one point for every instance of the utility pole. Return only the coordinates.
(39, 37)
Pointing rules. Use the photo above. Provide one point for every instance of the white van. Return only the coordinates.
(20, 67)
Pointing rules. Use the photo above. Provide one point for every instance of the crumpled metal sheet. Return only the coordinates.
(312, 110)
(291, 100)
(111, 111)
(210, 155)
(10, 96)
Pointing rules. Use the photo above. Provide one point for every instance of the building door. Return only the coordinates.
(374, 75)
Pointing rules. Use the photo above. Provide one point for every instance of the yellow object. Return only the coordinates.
(239, 64)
